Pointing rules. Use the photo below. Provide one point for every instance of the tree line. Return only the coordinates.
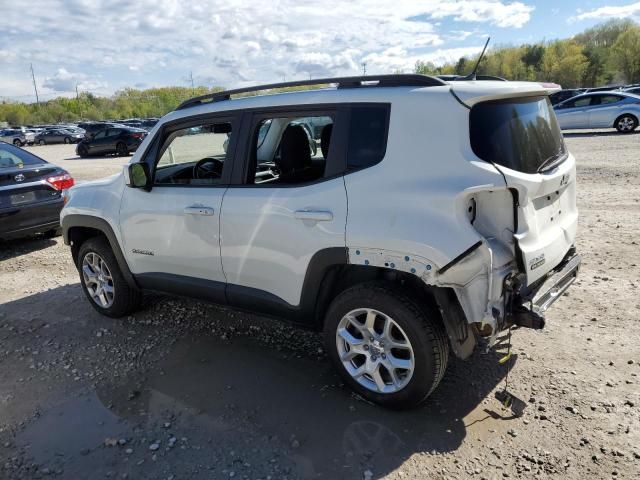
(605, 54)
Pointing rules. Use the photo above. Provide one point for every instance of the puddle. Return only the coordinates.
(243, 407)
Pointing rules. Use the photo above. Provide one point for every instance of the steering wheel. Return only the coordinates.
(208, 167)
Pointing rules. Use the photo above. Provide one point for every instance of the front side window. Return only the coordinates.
(521, 134)
(195, 155)
(100, 134)
(285, 150)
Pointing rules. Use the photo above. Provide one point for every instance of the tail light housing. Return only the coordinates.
(61, 182)
(139, 136)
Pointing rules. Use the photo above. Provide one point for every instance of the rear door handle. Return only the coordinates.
(195, 210)
(315, 215)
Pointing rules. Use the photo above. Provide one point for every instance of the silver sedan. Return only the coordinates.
(617, 110)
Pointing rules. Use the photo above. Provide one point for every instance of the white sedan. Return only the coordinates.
(617, 110)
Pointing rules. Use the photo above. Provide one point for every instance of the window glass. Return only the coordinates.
(605, 99)
(194, 155)
(287, 150)
(367, 136)
(112, 132)
(11, 156)
(582, 102)
(521, 134)
(100, 134)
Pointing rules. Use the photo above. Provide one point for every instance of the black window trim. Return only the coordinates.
(387, 106)
(154, 151)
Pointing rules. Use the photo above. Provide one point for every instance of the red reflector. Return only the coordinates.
(61, 182)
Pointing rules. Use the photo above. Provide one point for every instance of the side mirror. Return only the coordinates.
(138, 175)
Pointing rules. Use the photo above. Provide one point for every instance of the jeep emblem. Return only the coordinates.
(19, 177)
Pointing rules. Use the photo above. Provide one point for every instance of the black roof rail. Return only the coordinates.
(400, 80)
(456, 78)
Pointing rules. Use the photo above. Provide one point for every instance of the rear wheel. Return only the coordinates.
(17, 143)
(41, 142)
(626, 123)
(389, 349)
(103, 282)
(122, 150)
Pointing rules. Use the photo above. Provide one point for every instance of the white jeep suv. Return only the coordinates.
(426, 216)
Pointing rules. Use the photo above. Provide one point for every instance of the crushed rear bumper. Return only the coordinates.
(530, 304)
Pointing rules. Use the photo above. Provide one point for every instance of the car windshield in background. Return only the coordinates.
(11, 157)
(521, 134)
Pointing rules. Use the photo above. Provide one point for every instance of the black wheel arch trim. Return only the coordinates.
(101, 225)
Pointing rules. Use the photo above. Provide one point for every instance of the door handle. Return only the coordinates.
(195, 210)
(315, 215)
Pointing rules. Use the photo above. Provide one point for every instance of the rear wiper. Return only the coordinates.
(551, 159)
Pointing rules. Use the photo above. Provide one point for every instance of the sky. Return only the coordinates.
(104, 46)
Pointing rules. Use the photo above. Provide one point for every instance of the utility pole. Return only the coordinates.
(364, 69)
(78, 102)
(193, 88)
(34, 85)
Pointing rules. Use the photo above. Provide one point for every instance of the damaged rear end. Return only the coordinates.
(528, 228)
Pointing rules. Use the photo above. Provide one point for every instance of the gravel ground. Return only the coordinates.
(189, 390)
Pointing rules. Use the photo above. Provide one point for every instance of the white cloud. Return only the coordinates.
(514, 14)
(625, 11)
(234, 41)
(64, 81)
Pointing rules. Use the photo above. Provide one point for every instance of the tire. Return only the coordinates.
(418, 324)
(54, 232)
(67, 140)
(626, 123)
(82, 151)
(17, 143)
(41, 142)
(124, 299)
(122, 150)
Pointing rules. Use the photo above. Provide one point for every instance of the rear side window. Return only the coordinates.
(521, 134)
(367, 135)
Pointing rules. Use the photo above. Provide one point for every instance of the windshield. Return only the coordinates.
(521, 134)
(11, 157)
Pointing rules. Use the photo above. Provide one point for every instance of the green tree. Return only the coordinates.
(626, 54)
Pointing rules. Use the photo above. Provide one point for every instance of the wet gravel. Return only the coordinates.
(188, 390)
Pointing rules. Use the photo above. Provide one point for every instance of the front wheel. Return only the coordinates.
(41, 142)
(67, 140)
(17, 143)
(82, 151)
(626, 123)
(387, 347)
(103, 282)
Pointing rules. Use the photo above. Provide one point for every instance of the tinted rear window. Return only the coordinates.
(367, 135)
(521, 134)
(11, 156)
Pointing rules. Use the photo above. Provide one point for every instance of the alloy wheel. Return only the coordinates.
(626, 124)
(375, 351)
(98, 280)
